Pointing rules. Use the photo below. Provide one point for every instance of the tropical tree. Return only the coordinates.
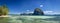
(0, 11)
(3, 10)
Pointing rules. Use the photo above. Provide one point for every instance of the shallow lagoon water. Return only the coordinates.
(34, 19)
(30, 19)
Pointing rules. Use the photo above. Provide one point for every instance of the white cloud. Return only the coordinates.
(13, 13)
(51, 12)
(27, 10)
(48, 12)
(41, 5)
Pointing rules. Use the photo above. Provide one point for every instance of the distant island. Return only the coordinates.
(37, 11)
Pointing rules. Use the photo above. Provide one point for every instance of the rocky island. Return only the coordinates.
(37, 11)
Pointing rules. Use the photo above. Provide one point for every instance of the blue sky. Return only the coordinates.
(19, 6)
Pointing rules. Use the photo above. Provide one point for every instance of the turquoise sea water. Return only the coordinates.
(33, 19)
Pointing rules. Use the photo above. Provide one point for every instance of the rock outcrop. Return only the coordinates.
(38, 11)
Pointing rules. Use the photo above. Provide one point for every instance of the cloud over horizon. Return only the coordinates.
(51, 12)
(45, 12)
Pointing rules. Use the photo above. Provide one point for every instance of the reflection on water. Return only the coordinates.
(34, 19)
(30, 19)
(4, 20)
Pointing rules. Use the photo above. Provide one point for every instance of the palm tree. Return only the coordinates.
(0, 11)
(3, 10)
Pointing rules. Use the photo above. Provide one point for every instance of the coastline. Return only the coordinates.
(4, 16)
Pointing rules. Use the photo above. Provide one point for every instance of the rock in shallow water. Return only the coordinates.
(38, 11)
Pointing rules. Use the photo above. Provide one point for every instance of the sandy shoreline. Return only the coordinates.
(4, 16)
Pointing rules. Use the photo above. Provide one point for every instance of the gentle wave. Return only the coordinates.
(30, 19)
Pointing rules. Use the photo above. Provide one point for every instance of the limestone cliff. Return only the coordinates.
(38, 11)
